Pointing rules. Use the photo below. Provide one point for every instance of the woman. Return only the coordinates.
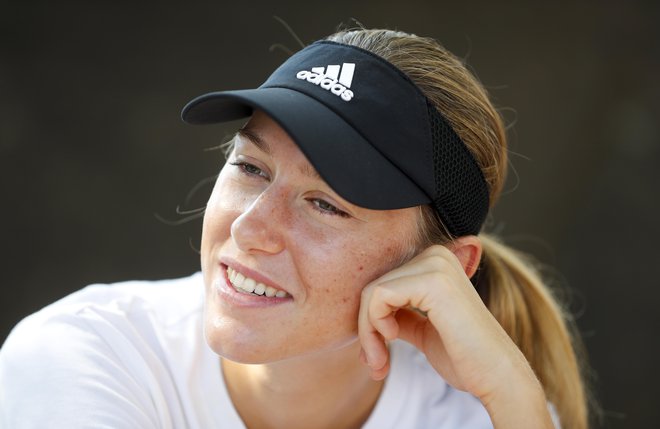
(346, 282)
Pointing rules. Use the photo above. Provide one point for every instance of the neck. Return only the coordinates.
(331, 389)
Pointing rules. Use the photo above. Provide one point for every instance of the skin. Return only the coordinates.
(272, 217)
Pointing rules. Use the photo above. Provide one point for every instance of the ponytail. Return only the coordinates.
(515, 294)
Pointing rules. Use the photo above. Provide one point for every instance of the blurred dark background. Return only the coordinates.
(92, 148)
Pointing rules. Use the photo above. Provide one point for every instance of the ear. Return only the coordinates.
(468, 251)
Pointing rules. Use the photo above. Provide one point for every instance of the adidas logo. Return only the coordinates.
(331, 79)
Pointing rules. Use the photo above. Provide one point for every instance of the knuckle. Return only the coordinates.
(438, 262)
(366, 291)
(438, 278)
(377, 292)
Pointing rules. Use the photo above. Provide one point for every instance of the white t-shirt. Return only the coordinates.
(133, 355)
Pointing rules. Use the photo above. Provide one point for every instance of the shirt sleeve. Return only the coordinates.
(58, 371)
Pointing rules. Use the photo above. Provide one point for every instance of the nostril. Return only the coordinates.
(253, 232)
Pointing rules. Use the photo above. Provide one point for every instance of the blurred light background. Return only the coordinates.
(92, 147)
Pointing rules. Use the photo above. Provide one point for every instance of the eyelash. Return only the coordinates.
(245, 168)
(330, 210)
(320, 205)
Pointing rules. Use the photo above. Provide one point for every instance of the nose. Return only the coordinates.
(259, 228)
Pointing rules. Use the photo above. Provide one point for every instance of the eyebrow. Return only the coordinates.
(263, 146)
(309, 171)
(255, 139)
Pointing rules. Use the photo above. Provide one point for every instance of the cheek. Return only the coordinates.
(337, 272)
(370, 260)
(338, 291)
(228, 195)
(215, 226)
(222, 208)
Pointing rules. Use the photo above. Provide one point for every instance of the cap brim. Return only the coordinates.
(352, 167)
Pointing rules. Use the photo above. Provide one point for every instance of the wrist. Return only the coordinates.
(520, 402)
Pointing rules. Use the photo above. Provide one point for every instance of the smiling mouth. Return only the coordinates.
(250, 286)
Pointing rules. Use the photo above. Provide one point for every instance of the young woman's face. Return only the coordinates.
(272, 222)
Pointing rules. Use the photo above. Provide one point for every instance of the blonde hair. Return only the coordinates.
(507, 281)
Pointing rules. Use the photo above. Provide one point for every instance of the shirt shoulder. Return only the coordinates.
(106, 356)
(167, 300)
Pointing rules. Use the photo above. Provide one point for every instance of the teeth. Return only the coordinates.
(248, 285)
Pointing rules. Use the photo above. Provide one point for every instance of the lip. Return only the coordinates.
(248, 272)
(224, 287)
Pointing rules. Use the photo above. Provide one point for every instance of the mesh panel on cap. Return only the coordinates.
(461, 193)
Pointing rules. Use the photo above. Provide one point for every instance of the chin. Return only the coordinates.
(229, 340)
(239, 343)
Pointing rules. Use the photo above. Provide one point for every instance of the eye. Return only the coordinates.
(249, 169)
(326, 208)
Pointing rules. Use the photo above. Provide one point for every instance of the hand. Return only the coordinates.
(431, 303)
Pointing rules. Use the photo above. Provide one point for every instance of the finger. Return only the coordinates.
(385, 298)
(381, 373)
(411, 327)
(387, 326)
(375, 349)
(377, 322)
(373, 344)
(384, 301)
(433, 258)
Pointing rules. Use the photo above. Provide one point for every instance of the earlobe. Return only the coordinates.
(467, 250)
